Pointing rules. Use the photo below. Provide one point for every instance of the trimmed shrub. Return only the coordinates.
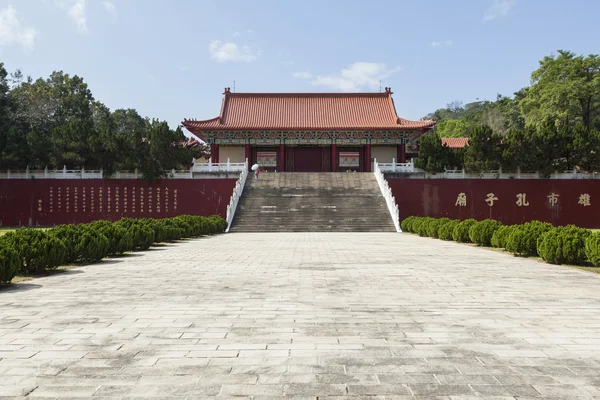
(194, 223)
(142, 235)
(416, 224)
(83, 243)
(445, 230)
(9, 263)
(172, 230)
(37, 249)
(423, 226)
(184, 224)
(481, 233)
(92, 246)
(406, 223)
(522, 239)
(219, 222)
(592, 249)
(501, 234)
(461, 231)
(432, 228)
(563, 245)
(120, 240)
(70, 236)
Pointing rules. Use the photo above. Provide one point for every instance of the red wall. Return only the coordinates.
(437, 198)
(51, 201)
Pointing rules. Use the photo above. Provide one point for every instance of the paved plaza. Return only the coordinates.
(305, 315)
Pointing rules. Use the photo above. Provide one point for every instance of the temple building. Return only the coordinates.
(309, 132)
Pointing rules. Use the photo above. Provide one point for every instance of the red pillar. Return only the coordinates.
(334, 158)
(214, 153)
(401, 150)
(368, 158)
(282, 157)
(249, 155)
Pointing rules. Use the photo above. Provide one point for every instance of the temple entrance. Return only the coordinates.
(309, 159)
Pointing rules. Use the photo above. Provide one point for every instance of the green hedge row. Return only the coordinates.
(556, 245)
(33, 251)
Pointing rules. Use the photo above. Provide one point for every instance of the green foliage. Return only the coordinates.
(84, 243)
(143, 236)
(92, 247)
(38, 250)
(563, 245)
(522, 239)
(415, 226)
(70, 236)
(9, 263)
(454, 128)
(461, 231)
(592, 249)
(500, 235)
(422, 227)
(481, 232)
(565, 88)
(406, 224)
(433, 157)
(446, 229)
(220, 224)
(120, 240)
(484, 151)
(433, 227)
(56, 121)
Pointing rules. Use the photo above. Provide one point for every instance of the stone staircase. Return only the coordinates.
(312, 202)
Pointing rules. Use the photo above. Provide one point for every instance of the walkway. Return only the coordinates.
(305, 315)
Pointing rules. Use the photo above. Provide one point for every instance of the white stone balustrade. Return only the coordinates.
(237, 193)
(386, 191)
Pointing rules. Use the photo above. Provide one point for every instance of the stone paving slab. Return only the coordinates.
(304, 316)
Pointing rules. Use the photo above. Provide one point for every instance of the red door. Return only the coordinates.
(308, 159)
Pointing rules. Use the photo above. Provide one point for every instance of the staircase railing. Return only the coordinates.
(387, 195)
(237, 193)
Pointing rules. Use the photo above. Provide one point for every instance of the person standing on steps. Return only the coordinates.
(256, 170)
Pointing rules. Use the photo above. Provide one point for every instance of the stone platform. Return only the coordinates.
(305, 315)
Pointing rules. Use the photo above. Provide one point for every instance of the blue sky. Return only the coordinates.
(171, 59)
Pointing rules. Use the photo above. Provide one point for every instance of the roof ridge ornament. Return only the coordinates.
(227, 90)
(388, 90)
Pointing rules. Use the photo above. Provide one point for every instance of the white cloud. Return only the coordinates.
(236, 34)
(443, 43)
(357, 77)
(110, 7)
(228, 51)
(76, 12)
(500, 8)
(302, 75)
(12, 32)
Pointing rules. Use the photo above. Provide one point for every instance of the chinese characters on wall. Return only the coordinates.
(521, 200)
(91, 199)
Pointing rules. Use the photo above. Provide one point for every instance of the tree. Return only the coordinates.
(518, 151)
(454, 128)
(565, 88)
(484, 151)
(435, 157)
(586, 148)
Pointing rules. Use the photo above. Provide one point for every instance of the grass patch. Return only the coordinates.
(5, 230)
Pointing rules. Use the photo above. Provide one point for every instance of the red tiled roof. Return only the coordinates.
(455, 142)
(307, 111)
